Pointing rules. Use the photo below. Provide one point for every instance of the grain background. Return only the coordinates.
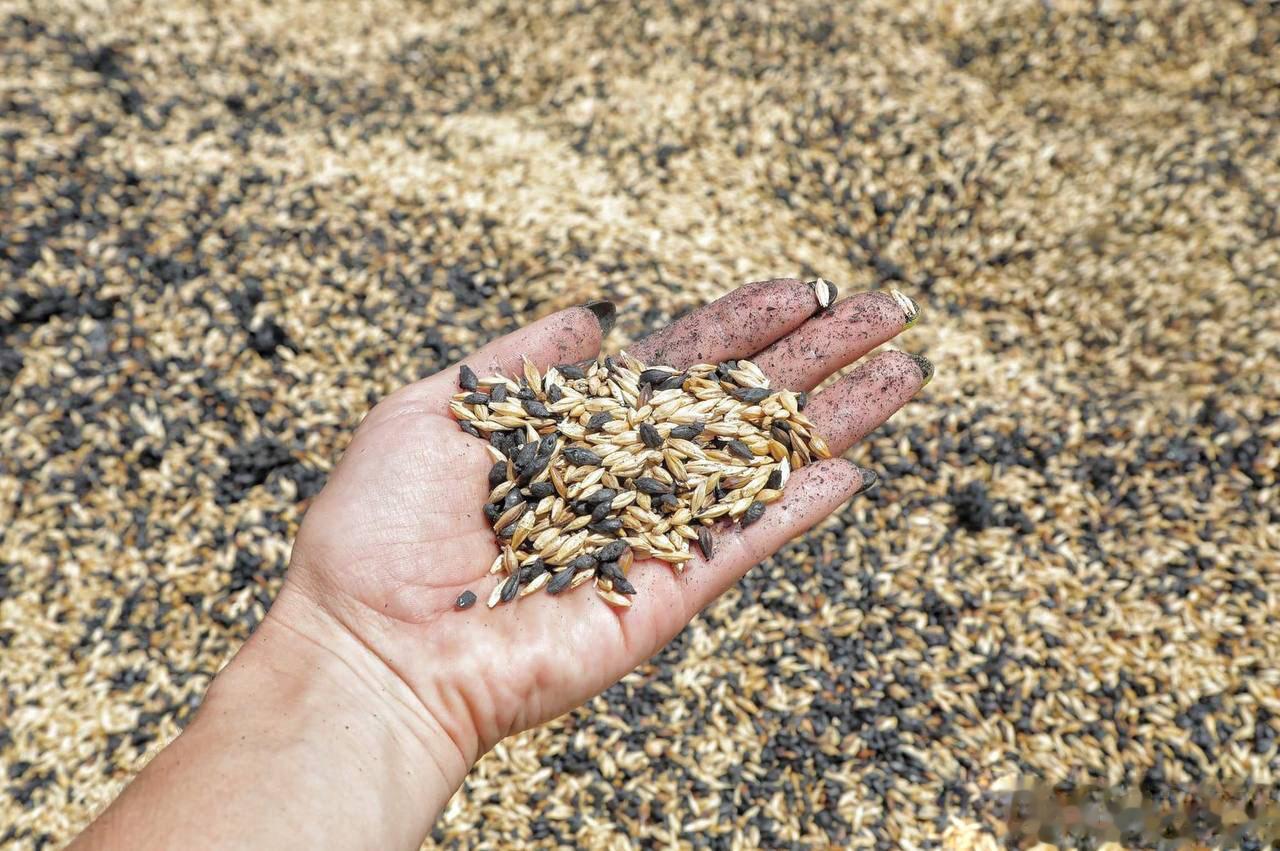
(227, 228)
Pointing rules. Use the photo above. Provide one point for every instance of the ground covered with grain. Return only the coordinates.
(226, 229)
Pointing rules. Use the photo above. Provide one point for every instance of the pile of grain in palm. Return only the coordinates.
(598, 465)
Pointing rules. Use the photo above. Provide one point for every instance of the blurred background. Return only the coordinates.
(227, 228)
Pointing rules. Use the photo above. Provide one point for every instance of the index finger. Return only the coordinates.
(733, 326)
(564, 337)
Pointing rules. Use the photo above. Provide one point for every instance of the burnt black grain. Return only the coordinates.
(580, 457)
(687, 432)
(706, 543)
(651, 486)
(536, 408)
(560, 581)
(510, 588)
(650, 436)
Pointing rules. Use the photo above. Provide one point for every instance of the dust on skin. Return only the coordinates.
(848, 410)
(849, 328)
(734, 326)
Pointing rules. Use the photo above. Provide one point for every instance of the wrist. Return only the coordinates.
(328, 706)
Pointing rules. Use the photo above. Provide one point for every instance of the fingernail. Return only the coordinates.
(926, 368)
(869, 480)
(825, 292)
(909, 308)
(606, 313)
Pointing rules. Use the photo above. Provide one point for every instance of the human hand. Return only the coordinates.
(398, 532)
(359, 704)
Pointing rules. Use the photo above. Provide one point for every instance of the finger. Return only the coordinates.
(666, 601)
(836, 338)
(734, 326)
(570, 335)
(859, 403)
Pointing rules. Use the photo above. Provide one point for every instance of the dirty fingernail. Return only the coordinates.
(606, 313)
(926, 368)
(825, 292)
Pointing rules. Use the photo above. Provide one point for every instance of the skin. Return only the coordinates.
(356, 709)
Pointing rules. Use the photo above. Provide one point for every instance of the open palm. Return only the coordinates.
(398, 532)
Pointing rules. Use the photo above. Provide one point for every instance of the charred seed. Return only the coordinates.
(467, 378)
(466, 600)
(653, 487)
(611, 551)
(587, 561)
(751, 395)
(531, 472)
(497, 474)
(608, 526)
(753, 513)
(580, 457)
(526, 455)
(740, 449)
(609, 570)
(510, 588)
(536, 409)
(498, 394)
(571, 371)
(560, 581)
(687, 432)
(602, 495)
(531, 570)
(649, 435)
(705, 543)
(654, 376)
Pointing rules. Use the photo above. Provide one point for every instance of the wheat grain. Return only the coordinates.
(597, 465)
